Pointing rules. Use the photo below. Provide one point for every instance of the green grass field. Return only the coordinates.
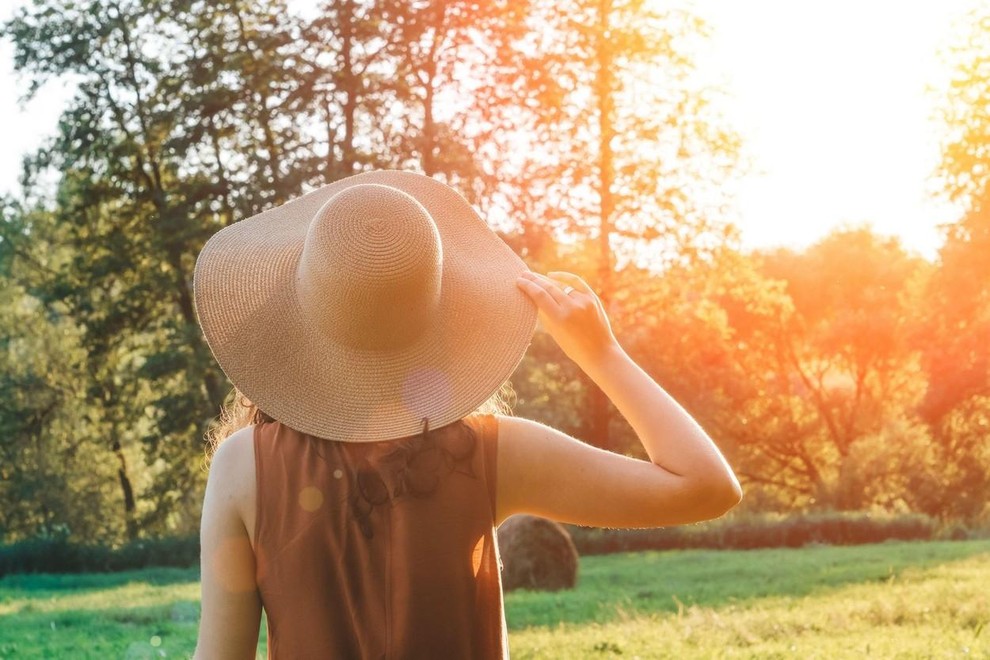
(910, 600)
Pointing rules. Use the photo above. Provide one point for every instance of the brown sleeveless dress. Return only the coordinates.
(418, 578)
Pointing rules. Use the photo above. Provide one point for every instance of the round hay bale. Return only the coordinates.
(537, 554)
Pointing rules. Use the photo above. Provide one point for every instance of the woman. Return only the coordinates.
(367, 322)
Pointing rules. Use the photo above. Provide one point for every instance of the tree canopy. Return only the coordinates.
(850, 374)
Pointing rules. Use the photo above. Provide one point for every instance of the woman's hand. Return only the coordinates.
(575, 319)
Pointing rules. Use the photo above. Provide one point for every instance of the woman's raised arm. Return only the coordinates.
(548, 473)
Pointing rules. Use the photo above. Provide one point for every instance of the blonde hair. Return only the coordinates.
(238, 412)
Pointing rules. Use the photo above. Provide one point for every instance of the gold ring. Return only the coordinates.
(568, 289)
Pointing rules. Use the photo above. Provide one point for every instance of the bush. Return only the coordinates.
(831, 528)
(536, 554)
(56, 554)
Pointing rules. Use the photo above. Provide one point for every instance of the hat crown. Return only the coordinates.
(370, 270)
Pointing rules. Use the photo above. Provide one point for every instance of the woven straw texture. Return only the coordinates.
(355, 320)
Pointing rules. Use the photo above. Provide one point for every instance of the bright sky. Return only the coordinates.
(829, 96)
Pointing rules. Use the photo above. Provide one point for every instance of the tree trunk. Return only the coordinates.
(429, 129)
(125, 486)
(350, 83)
(598, 417)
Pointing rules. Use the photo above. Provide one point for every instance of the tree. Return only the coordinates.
(599, 129)
(49, 476)
(436, 51)
(798, 363)
(183, 108)
(712, 333)
(845, 364)
(957, 330)
(345, 73)
(189, 116)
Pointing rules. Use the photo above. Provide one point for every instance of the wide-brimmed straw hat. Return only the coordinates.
(357, 311)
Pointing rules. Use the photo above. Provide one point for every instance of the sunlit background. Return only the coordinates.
(834, 341)
(831, 98)
(832, 101)
(613, 140)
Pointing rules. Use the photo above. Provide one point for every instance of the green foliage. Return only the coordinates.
(748, 532)
(956, 483)
(188, 116)
(192, 115)
(50, 473)
(55, 553)
(548, 387)
(849, 375)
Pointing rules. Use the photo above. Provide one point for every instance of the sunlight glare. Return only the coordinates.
(831, 100)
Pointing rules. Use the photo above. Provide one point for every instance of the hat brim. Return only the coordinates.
(245, 295)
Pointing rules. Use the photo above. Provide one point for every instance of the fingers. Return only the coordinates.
(539, 294)
(542, 288)
(555, 288)
(572, 280)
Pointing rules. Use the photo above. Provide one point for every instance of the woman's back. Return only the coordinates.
(345, 570)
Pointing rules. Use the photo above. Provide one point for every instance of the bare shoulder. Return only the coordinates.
(511, 426)
(232, 469)
(231, 606)
(531, 439)
(235, 451)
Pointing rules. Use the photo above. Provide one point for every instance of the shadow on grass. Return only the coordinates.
(659, 582)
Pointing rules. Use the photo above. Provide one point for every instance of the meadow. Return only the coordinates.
(889, 600)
